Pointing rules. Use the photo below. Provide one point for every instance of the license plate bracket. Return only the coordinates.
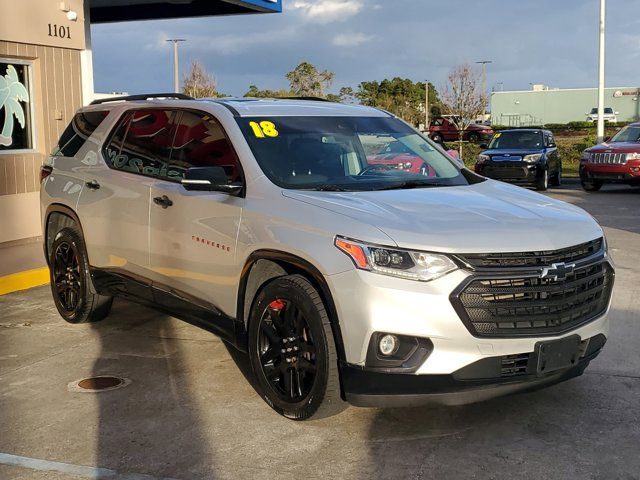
(554, 355)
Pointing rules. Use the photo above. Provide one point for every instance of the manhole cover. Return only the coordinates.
(99, 383)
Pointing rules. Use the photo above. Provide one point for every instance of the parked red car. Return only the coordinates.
(617, 160)
(398, 156)
(444, 129)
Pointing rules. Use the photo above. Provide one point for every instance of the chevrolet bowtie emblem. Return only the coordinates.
(557, 271)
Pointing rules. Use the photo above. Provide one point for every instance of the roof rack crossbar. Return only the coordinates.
(144, 96)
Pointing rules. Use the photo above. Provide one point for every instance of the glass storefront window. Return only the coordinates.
(16, 129)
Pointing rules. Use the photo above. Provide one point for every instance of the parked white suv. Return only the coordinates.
(609, 115)
(375, 284)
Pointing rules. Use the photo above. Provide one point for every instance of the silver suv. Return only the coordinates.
(347, 254)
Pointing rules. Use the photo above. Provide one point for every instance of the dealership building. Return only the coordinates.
(46, 74)
(543, 105)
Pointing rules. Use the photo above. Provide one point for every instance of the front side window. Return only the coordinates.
(16, 129)
(524, 140)
(201, 142)
(627, 134)
(347, 153)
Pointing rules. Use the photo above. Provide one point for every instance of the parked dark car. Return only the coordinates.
(615, 161)
(522, 156)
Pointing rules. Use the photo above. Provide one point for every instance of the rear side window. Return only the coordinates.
(78, 132)
(141, 144)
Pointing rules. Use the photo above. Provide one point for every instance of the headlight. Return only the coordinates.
(633, 156)
(409, 264)
(585, 156)
(483, 158)
(532, 158)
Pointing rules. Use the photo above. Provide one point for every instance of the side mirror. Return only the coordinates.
(212, 179)
(616, 113)
(484, 146)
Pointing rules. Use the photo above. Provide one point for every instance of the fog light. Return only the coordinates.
(388, 345)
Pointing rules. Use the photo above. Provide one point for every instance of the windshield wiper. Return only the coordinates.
(330, 187)
(412, 184)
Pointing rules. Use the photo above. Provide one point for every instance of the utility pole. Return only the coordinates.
(426, 106)
(484, 82)
(600, 132)
(176, 73)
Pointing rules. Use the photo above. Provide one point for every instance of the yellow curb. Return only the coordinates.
(24, 280)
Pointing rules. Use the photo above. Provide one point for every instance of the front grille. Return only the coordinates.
(527, 305)
(618, 158)
(533, 259)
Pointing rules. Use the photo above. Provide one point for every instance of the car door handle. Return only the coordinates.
(163, 201)
(92, 185)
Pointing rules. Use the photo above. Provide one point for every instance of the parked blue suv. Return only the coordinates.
(522, 156)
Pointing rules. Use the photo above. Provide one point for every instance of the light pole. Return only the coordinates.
(484, 81)
(176, 78)
(426, 106)
(600, 132)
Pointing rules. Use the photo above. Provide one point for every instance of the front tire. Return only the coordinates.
(591, 185)
(71, 284)
(543, 183)
(292, 350)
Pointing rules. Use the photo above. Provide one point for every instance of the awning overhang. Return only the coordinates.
(104, 11)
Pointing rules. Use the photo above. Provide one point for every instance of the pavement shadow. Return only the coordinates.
(551, 433)
(153, 425)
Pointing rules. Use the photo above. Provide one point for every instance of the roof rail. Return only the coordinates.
(315, 99)
(144, 96)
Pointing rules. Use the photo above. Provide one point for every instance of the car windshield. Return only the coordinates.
(606, 110)
(627, 134)
(348, 154)
(524, 140)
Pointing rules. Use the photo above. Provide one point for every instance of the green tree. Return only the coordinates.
(307, 81)
(198, 83)
(255, 92)
(400, 96)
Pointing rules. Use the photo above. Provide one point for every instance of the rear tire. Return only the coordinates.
(591, 185)
(292, 350)
(71, 283)
(543, 183)
(557, 178)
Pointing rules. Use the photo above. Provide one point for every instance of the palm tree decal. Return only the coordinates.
(12, 92)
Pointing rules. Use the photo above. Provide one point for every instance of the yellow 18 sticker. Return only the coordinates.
(264, 129)
(497, 135)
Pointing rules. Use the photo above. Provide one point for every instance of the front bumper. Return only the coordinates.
(368, 304)
(519, 172)
(477, 382)
(614, 173)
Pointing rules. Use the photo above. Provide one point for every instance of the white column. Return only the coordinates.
(86, 58)
(600, 133)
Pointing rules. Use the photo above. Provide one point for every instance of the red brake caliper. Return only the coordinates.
(277, 305)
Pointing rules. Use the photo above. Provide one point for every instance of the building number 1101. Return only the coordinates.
(59, 31)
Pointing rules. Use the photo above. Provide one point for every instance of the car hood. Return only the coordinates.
(486, 217)
(615, 147)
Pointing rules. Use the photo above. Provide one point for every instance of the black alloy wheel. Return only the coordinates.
(292, 350)
(73, 291)
(66, 276)
(287, 350)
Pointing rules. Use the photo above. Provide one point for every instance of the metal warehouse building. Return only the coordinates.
(541, 105)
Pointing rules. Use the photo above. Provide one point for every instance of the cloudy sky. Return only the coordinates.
(529, 41)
